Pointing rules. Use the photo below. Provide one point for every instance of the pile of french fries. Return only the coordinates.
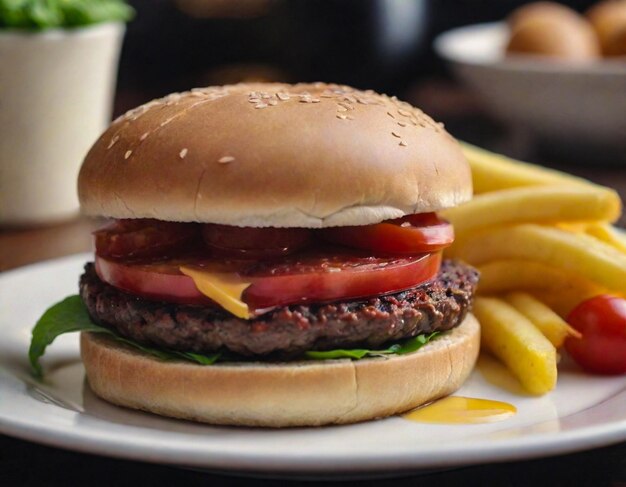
(543, 242)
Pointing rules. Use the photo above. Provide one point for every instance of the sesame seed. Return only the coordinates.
(346, 105)
(183, 153)
(403, 143)
(402, 124)
(404, 113)
(342, 117)
(254, 100)
(272, 102)
(128, 153)
(405, 224)
(315, 100)
(349, 117)
(391, 115)
(226, 159)
(342, 109)
(260, 105)
(395, 134)
(143, 136)
(282, 96)
(113, 141)
(362, 101)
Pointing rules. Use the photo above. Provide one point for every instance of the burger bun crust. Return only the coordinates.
(305, 393)
(274, 155)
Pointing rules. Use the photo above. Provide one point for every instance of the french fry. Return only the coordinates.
(562, 302)
(561, 290)
(573, 227)
(512, 338)
(581, 254)
(553, 327)
(535, 204)
(491, 172)
(608, 234)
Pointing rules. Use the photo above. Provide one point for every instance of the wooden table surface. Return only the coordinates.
(25, 463)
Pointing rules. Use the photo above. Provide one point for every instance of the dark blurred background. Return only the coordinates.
(379, 44)
(386, 45)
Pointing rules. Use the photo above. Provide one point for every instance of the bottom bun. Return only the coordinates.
(304, 393)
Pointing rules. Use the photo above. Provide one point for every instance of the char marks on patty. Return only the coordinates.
(286, 331)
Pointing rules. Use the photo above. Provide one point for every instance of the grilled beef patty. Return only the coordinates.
(286, 331)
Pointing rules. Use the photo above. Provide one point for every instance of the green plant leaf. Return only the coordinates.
(355, 354)
(66, 316)
(70, 315)
(406, 346)
(46, 14)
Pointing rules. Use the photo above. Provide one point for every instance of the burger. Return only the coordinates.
(274, 258)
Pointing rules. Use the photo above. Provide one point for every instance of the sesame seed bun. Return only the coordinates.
(281, 394)
(306, 155)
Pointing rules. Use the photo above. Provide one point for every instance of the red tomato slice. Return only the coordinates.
(310, 278)
(254, 243)
(413, 234)
(320, 279)
(602, 322)
(142, 238)
(163, 282)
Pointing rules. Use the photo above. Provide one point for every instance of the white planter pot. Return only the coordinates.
(56, 94)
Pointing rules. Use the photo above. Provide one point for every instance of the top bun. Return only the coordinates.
(305, 155)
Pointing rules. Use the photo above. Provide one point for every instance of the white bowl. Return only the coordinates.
(565, 103)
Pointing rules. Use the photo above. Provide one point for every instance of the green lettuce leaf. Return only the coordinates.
(355, 354)
(70, 315)
(406, 346)
(46, 14)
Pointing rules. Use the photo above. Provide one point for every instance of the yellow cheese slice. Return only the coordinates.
(223, 288)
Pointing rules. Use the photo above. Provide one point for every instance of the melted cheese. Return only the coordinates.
(223, 288)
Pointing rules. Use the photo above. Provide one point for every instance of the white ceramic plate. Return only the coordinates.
(583, 412)
(568, 103)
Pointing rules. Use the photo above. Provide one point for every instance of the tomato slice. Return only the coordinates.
(254, 243)
(312, 277)
(318, 278)
(158, 281)
(142, 237)
(413, 234)
(602, 322)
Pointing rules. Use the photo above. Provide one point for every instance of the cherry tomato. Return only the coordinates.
(413, 234)
(254, 243)
(313, 277)
(142, 237)
(602, 322)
